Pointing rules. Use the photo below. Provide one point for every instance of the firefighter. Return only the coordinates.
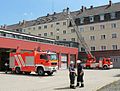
(80, 74)
(6, 67)
(72, 74)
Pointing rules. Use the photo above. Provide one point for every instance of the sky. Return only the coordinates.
(13, 11)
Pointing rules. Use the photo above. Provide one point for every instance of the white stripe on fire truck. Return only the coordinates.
(21, 60)
(17, 59)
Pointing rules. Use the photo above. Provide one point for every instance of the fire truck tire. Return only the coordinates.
(17, 70)
(49, 73)
(40, 71)
(105, 67)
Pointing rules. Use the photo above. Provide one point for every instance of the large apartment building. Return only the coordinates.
(99, 26)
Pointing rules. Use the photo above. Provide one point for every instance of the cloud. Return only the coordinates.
(28, 14)
(25, 14)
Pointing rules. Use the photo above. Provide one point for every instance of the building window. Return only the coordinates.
(57, 37)
(92, 37)
(102, 27)
(91, 18)
(103, 37)
(81, 29)
(45, 26)
(82, 49)
(72, 30)
(33, 28)
(64, 39)
(113, 15)
(51, 33)
(102, 17)
(114, 47)
(51, 25)
(114, 35)
(73, 39)
(91, 27)
(57, 30)
(81, 20)
(45, 34)
(57, 23)
(103, 47)
(93, 48)
(39, 27)
(113, 25)
(64, 31)
(64, 23)
(29, 28)
(39, 35)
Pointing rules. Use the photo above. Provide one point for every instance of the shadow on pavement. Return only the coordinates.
(63, 88)
(118, 75)
(29, 75)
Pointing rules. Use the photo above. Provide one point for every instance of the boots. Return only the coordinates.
(73, 87)
(82, 85)
(77, 84)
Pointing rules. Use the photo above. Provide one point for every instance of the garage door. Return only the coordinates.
(116, 61)
(63, 61)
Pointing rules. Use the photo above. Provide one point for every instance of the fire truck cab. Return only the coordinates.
(39, 62)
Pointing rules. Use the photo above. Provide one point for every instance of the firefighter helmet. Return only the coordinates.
(71, 62)
(78, 61)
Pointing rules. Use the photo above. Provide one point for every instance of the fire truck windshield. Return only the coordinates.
(52, 56)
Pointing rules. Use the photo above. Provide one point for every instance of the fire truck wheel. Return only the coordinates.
(40, 71)
(105, 67)
(17, 70)
(49, 73)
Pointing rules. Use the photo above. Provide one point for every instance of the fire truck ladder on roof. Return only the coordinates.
(79, 35)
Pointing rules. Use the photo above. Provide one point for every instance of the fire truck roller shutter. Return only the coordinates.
(29, 60)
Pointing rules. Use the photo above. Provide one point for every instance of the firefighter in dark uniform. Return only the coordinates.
(6, 67)
(72, 75)
(80, 74)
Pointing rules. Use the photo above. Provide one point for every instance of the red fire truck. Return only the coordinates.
(39, 62)
(103, 63)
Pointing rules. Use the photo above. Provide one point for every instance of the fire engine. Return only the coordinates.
(91, 61)
(39, 62)
(102, 63)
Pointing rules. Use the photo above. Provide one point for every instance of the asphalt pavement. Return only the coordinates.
(93, 79)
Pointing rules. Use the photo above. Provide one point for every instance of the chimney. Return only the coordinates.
(91, 7)
(20, 23)
(24, 21)
(48, 14)
(110, 3)
(5, 26)
(83, 9)
(54, 13)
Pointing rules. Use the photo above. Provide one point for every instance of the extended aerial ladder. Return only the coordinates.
(79, 36)
(91, 61)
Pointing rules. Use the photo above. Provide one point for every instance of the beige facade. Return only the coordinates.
(104, 36)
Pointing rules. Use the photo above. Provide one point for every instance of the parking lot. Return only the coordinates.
(94, 79)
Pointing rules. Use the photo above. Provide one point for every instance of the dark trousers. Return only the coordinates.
(80, 79)
(72, 78)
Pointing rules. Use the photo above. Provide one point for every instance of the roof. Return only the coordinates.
(63, 15)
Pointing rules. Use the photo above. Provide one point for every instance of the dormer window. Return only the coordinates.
(112, 15)
(102, 17)
(91, 18)
(81, 20)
